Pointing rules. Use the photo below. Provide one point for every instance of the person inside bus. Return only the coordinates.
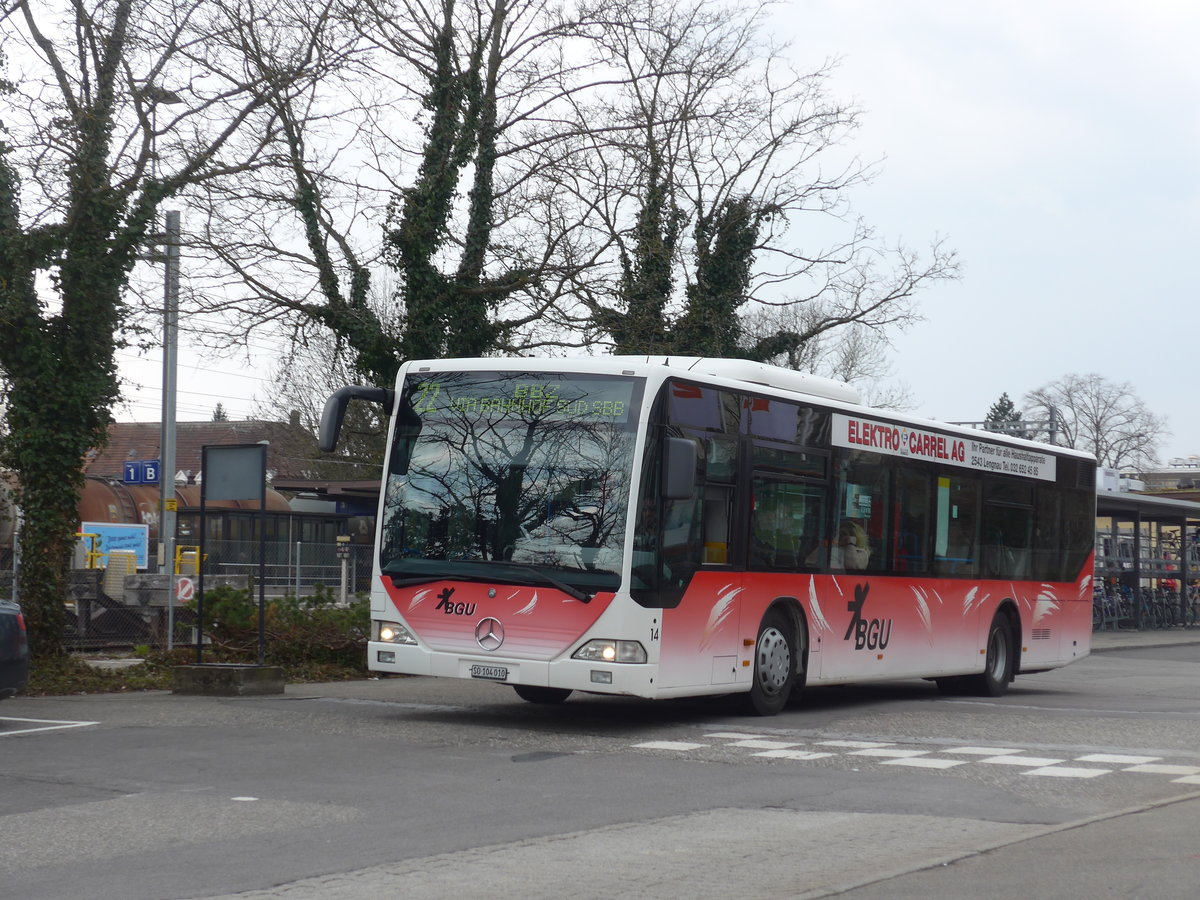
(850, 552)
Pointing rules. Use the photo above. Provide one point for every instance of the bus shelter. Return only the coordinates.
(1147, 543)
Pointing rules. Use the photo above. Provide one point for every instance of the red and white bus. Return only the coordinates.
(671, 527)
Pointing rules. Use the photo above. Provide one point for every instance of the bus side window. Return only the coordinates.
(955, 545)
(862, 513)
(721, 456)
(910, 535)
(1048, 557)
(786, 525)
(717, 509)
(1007, 539)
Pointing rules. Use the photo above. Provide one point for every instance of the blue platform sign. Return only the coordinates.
(140, 471)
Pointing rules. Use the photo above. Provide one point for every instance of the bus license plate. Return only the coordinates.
(491, 673)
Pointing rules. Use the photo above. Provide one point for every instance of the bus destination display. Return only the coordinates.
(492, 396)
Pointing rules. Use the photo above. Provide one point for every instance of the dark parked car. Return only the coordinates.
(14, 649)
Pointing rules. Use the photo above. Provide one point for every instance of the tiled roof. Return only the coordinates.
(292, 453)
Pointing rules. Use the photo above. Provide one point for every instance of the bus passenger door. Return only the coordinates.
(700, 635)
(694, 560)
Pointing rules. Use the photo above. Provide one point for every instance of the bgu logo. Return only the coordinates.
(453, 609)
(873, 635)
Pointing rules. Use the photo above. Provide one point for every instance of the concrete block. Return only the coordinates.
(227, 680)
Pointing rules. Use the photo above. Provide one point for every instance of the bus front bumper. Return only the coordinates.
(572, 674)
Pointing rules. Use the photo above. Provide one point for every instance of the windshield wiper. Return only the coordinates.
(552, 580)
(401, 580)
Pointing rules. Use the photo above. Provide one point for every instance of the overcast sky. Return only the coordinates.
(1054, 144)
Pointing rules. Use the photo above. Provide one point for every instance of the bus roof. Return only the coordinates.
(745, 371)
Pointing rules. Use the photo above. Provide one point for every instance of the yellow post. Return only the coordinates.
(92, 556)
(187, 559)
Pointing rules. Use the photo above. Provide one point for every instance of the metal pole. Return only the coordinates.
(16, 584)
(166, 465)
(1137, 569)
(200, 559)
(262, 567)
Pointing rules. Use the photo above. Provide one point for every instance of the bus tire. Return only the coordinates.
(535, 694)
(774, 670)
(998, 662)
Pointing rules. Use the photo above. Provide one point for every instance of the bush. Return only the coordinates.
(300, 631)
(54, 675)
(312, 638)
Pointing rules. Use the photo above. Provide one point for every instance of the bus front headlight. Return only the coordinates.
(600, 650)
(394, 633)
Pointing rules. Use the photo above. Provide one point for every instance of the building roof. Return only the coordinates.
(292, 451)
(1148, 507)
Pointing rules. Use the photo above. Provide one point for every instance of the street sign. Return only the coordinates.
(140, 471)
(185, 590)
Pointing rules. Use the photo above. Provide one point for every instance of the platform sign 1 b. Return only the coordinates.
(140, 471)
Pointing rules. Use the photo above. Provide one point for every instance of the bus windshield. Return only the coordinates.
(499, 475)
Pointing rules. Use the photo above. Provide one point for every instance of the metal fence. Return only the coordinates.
(289, 568)
(117, 607)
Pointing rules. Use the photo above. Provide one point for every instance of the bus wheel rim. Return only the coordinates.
(998, 655)
(774, 660)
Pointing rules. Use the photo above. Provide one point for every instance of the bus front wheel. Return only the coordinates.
(535, 694)
(774, 672)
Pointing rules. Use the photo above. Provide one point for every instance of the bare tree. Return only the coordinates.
(1107, 419)
(542, 176)
(423, 152)
(854, 352)
(716, 148)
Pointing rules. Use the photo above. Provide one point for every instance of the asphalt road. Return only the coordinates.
(1083, 782)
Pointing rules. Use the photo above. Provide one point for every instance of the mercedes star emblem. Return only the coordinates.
(489, 633)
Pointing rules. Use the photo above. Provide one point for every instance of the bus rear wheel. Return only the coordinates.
(535, 694)
(998, 662)
(774, 672)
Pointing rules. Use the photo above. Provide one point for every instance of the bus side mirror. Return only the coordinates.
(335, 411)
(679, 469)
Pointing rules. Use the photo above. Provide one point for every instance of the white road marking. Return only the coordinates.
(1068, 772)
(1031, 761)
(983, 751)
(793, 754)
(890, 752)
(669, 745)
(46, 725)
(1157, 769)
(926, 762)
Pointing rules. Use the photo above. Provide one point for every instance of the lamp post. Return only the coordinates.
(166, 466)
(156, 95)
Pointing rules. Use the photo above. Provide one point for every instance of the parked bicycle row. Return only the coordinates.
(1119, 606)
